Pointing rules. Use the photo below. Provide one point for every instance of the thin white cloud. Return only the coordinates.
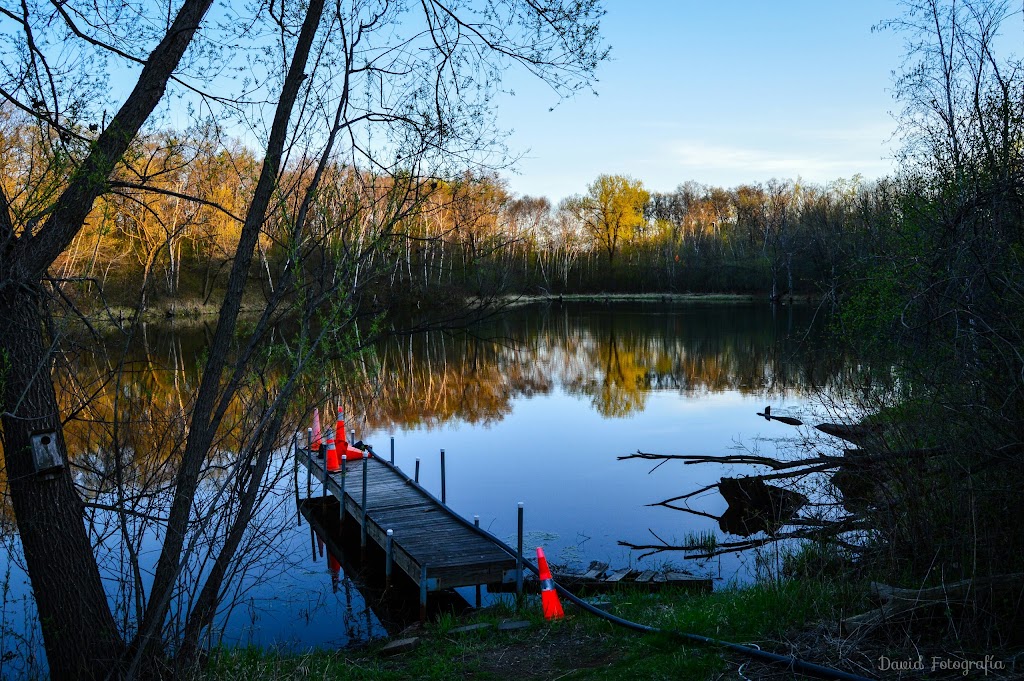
(699, 157)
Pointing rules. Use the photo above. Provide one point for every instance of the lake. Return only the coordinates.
(533, 406)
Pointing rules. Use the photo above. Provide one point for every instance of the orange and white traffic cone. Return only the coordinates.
(333, 461)
(316, 430)
(345, 447)
(339, 430)
(548, 596)
(334, 567)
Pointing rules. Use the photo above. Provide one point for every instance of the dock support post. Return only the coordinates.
(519, 554)
(444, 492)
(352, 435)
(295, 475)
(309, 469)
(476, 521)
(423, 594)
(416, 478)
(392, 450)
(341, 510)
(389, 557)
(362, 534)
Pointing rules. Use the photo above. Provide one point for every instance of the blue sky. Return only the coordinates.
(719, 92)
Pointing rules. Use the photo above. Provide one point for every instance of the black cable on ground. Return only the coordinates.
(792, 663)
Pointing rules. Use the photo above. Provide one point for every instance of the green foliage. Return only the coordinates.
(580, 646)
(875, 303)
(705, 541)
(937, 302)
(612, 212)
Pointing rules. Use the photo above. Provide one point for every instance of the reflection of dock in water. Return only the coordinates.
(396, 605)
(431, 545)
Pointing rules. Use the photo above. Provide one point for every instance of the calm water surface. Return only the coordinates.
(535, 407)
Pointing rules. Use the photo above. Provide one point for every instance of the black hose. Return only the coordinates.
(794, 664)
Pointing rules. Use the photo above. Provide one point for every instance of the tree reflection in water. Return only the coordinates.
(615, 358)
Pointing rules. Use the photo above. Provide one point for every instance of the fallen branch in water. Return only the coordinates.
(756, 507)
(736, 459)
(701, 550)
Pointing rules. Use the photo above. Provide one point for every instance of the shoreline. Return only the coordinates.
(194, 312)
(730, 298)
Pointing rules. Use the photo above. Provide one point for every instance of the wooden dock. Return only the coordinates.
(430, 543)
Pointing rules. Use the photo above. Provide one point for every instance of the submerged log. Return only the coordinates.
(859, 481)
(788, 420)
(757, 507)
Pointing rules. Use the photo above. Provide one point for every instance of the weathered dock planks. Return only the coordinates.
(598, 579)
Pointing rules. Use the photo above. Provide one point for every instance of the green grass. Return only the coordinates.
(580, 647)
(760, 614)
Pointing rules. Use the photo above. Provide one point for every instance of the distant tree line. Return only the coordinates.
(168, 231)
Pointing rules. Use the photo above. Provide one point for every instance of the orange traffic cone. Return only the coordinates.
(335, 569)
(548, 596)
(316, 430)
(333, 462)
(339, 429)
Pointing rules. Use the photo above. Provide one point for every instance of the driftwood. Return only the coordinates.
(788, 420)
(897, 603)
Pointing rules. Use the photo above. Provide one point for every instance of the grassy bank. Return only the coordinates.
(771, 615)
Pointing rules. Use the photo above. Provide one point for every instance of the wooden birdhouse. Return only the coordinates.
(46, 457)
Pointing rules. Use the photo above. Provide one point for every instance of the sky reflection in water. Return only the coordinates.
(535, 406)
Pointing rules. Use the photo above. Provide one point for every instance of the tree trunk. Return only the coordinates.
(212, 397)
(79, 631)
(789, 273)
